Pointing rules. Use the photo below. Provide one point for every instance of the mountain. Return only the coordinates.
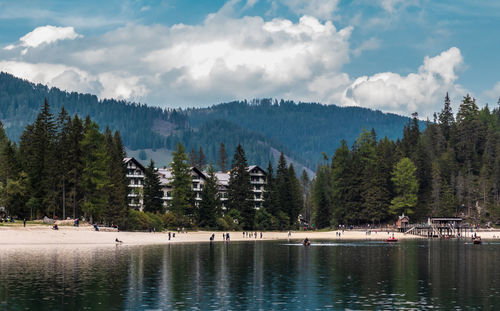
(301, 130)
(306, 129)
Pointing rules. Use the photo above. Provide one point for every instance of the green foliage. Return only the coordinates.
(210, 206)
(240, 190)
(144, 221)
(182, 195)
(406, 187)
(152, 193)
(263, 220)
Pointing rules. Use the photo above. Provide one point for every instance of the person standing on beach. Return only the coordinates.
(24, 222)
(169, 235)
(261, 235)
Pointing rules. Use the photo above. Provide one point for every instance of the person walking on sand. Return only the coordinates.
(261, 235)
(169, 235)
(24, 222)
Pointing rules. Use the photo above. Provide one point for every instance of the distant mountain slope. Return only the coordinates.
(306, 129)
(20, 102)
(263, 127)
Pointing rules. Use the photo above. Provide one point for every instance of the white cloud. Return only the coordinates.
(62, 76)
(48, 34)
(44, 34)
(227, 58)
(419, 92)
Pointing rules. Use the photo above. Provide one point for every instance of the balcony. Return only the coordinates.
(135, 176)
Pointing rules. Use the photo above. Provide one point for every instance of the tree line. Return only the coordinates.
(64, 167)
(283, 195)
(452, 168)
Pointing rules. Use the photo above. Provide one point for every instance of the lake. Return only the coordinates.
(254, 275)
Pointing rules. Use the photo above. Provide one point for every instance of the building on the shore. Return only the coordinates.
(166, 177)
(257, 180)
(403, 222)
(135, 174)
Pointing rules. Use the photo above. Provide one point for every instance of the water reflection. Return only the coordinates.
(253, 275)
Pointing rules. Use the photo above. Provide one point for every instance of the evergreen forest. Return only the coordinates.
(263, 127)
(450, 168)
(64, 167)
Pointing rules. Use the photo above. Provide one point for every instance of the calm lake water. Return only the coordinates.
(254, 276)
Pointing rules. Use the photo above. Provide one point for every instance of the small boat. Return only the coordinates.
(393, 239)
(477, 240)
(306, 242)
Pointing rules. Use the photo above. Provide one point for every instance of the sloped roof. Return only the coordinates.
(137, 163)
(222, 178)
(251, 167)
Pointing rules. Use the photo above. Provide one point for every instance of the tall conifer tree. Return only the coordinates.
(182, 194)
(210, 205)
(152, 190)
(240, 188)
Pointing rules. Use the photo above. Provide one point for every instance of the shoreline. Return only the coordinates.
(34, 235)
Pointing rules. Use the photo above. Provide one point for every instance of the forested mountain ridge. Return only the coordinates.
(303, 131)
(20, 102)
(307, 129)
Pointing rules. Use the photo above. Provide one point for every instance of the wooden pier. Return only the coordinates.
(440, 227)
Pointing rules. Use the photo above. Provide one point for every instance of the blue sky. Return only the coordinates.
(393, 55)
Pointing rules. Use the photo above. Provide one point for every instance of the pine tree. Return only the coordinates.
(62, 149)
(446, 119)
(38, 158)
(321, 199)
(240, 189)
(152, 190)
(270, 195)
(182, 194)
(210, 205)
(117, 210)
(339, 180)
(283, 187)
(75, 160)
(296, 196)
(406, 185)
(95, 180)
(222, 158)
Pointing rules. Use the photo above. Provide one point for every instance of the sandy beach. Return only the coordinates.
(86, 235)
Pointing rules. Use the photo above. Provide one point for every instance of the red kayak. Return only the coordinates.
(391, 240)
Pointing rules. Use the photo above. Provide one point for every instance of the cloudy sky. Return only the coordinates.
(397, 56)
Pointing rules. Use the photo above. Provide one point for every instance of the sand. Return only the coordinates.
(12, 236)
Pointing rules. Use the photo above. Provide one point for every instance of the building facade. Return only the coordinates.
(135, 174)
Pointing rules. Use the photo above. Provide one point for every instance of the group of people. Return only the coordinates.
(250, 235)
